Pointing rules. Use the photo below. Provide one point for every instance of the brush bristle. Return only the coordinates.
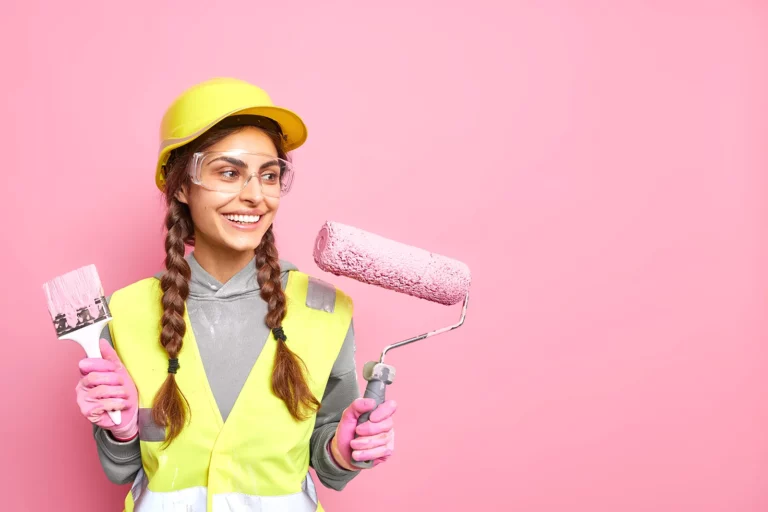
(76, 299)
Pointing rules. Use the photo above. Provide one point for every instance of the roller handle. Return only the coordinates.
(378, 375)
(377, 390)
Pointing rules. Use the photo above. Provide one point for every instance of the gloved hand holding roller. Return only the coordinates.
(372, 259)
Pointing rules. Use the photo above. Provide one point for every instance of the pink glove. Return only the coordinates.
(376, 439)
(106, 386)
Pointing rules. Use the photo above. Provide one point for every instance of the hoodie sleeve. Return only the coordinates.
(342, 389)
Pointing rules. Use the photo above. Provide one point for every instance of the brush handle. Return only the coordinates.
(91, 346)
(115, 416)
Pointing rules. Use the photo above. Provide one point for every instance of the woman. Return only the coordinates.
(234, 371)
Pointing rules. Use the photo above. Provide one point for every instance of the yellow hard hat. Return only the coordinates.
(203, 105)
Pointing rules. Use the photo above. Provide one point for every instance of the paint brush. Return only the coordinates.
(79, 311)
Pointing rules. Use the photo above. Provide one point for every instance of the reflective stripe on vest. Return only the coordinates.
(196, 498)
(259, 458)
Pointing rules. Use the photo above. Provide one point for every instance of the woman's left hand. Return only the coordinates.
(376, 439)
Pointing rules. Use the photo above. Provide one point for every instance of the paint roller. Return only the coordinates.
(372, 259)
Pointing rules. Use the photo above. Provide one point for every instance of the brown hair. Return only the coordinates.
(170, 407)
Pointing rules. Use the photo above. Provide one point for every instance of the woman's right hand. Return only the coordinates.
(107, 386)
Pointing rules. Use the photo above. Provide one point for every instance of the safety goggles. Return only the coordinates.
(230, 172)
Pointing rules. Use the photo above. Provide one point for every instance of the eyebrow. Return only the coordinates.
(271, 163)
(239, 163)
(232, 160)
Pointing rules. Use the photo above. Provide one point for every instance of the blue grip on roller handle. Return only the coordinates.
(377, 390)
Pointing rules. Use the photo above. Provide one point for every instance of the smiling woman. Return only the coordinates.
(213, 329)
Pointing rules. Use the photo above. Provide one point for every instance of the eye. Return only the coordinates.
(270, 176)
(229, 173)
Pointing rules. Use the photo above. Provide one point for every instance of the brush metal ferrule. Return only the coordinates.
(65, 323)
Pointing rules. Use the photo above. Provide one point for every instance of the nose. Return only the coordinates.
(252, 191)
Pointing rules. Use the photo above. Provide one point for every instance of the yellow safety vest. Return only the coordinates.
(259, 458)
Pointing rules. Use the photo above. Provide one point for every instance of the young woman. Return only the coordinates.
(234, 371)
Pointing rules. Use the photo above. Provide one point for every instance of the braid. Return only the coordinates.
(288, 379)
(170, 407)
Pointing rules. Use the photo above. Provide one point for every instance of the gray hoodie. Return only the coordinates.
(228, 323)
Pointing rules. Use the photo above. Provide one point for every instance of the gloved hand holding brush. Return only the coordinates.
(376, 437)
(107, 386)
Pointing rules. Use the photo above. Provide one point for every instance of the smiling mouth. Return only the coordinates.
(244, 220)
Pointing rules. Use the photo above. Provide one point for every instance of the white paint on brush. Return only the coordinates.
(75, 290)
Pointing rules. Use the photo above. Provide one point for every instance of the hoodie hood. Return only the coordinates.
(203, 284)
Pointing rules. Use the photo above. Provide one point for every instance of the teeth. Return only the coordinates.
(247, 219)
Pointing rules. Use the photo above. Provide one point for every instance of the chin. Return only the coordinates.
(242, 244)
(242, 241)
(239, 238)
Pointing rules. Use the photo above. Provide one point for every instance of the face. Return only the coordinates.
(212, 211)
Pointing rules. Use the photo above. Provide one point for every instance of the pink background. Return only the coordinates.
(600, 167)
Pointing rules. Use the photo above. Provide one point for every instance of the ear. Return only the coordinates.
(181, 195)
